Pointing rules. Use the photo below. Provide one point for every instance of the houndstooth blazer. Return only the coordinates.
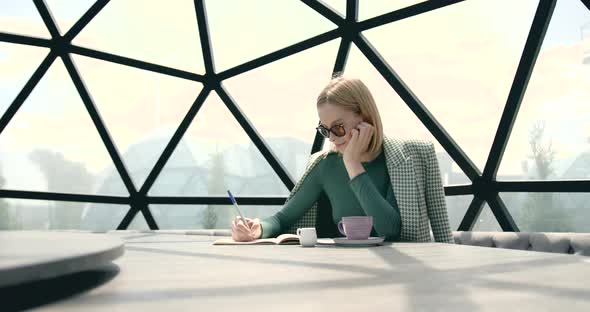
(415, 179)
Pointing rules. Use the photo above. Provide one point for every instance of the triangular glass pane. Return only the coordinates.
(549, 212)
(17, 65)
(397, 119)
(67, 12)
(138, 223)
(282, 107)
(553, 117)
(25, 214)
(103, 217)
(10, 218)
(205, 216)
(460, 61)
(161, 32)
(487, 221)
(215, 155)
(338, 5)
(141, 109)
(258, 28)
(368, 9)
(456, 209)
(169, 217)
(52, 145)
(22, 17)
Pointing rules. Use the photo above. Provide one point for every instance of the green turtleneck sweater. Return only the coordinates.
(368, 194)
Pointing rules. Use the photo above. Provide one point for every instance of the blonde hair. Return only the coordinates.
(351, 94)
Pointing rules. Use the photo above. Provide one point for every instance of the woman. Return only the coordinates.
(364, 173)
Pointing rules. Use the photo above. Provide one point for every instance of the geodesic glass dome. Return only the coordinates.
(140, 114)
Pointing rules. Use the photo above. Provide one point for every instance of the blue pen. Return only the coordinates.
(233, 200)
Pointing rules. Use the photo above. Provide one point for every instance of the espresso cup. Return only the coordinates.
(307, 237)
(357, 227)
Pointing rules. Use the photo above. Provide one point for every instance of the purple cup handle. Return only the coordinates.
(340, 228)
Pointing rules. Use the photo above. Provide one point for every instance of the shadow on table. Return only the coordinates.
(453, 287)
(438, 289)
(447, 293)
(34, 294)
(443, 288)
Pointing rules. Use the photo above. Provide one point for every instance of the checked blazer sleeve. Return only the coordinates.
(435, 200)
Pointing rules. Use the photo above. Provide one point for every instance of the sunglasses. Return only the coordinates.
(338, 130)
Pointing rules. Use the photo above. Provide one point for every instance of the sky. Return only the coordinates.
(459, 61)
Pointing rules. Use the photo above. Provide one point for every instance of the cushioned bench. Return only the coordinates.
(570, 243)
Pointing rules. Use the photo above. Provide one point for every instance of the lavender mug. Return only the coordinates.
(356, 227)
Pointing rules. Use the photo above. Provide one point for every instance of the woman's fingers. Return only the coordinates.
(242, 228)
(251, 222)
(241, 236)
(239, 220)
(256, 231)
(353, 139)
(235, 235)
(240, 232)
(365, 134)
(365, 129)
(355, 134)
(254, 222)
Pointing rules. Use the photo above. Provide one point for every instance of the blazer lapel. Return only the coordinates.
(403, 181)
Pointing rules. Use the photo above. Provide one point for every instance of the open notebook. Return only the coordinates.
(283, 239)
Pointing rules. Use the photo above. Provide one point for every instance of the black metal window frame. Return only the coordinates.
(484, 186)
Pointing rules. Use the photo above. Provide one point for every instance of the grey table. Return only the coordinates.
(168, 272)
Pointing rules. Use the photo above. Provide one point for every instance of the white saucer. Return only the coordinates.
(371, 241)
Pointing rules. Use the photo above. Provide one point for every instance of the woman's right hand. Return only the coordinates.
(241, 233)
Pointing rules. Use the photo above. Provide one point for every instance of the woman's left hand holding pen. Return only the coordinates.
(242, 233)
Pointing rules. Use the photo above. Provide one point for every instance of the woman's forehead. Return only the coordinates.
(330, 113)
(330, 110)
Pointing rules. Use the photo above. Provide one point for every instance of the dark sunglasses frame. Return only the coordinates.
(338, 130)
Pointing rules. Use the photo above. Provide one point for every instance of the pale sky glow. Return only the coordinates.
(244, 30)
(21, 17)
(67, 12)
(280, 98)
(161, 34)
(459, 61)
